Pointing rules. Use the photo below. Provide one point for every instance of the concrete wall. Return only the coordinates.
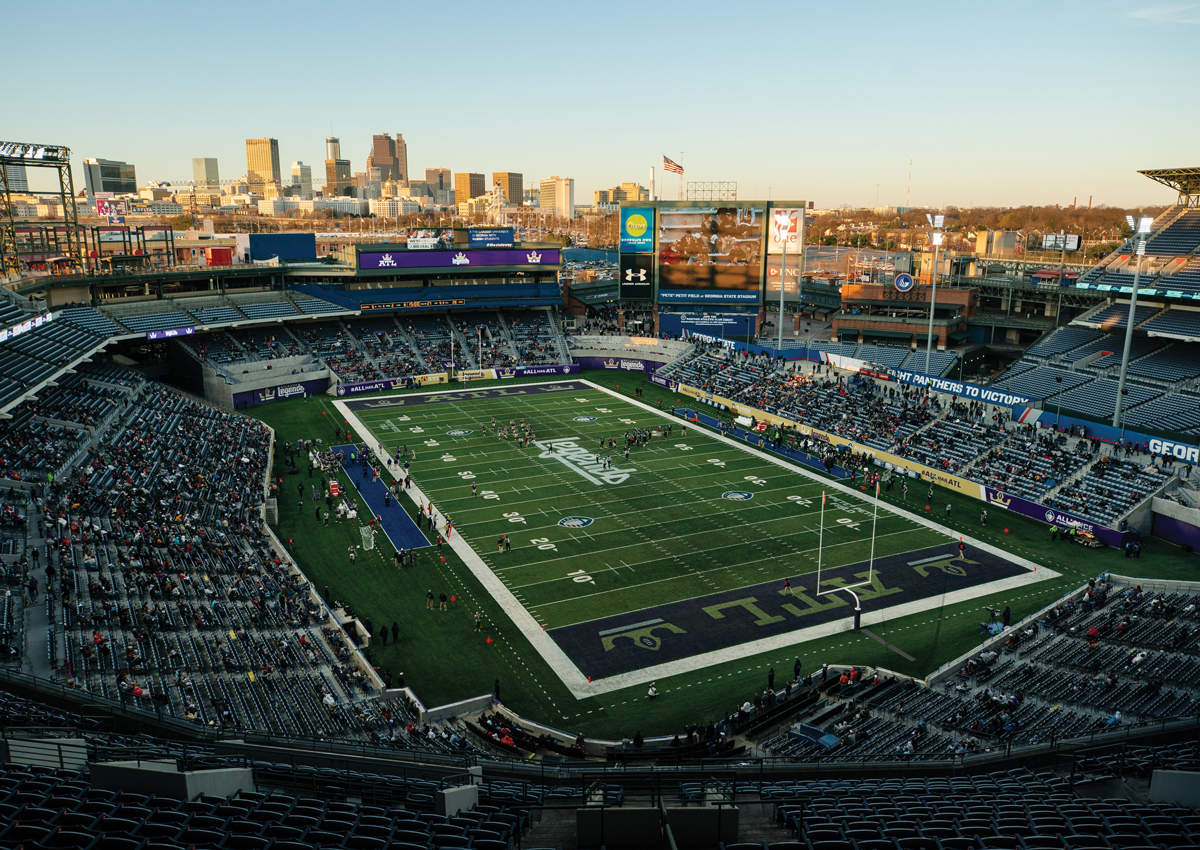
(165, 779)
(1178, 787)
(449, 801)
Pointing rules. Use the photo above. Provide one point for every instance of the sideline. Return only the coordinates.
(577, 682)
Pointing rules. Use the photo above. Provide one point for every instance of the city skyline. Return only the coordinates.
(993, 109)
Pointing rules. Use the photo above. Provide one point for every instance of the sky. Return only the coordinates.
(997, 104)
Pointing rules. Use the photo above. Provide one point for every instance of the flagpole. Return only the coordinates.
(681, 178)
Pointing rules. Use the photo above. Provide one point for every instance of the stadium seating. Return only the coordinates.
(269, 310)
(1184, 323)
(534, 337)
(1186, 280)
(1040, 382)
(157, 321)
(1061, 341)
(1182, 236)
(216, 315)
(1116, 316)
(1175, 412)
(312, 306)
(91, 320)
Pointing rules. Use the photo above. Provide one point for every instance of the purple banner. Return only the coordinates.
(1042, 513)
(296, 390)
(663, 382)
(1175, 531)
(529, 371)
(372, 386)
(625, 364)
(167, 334)
(458, 259)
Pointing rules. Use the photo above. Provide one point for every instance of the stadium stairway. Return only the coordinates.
(466, 348)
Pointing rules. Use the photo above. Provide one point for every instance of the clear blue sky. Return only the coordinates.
(997, 103)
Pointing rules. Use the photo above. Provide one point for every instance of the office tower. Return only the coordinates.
(262, 164)
(390, 156)
(107, 175)
(600, 196)
(337, 177)
(438, 178)
(558, 196)
(17, 180)
(204, 173)
(468, 185)
(511, 183)
(333, 148)
(302, 180)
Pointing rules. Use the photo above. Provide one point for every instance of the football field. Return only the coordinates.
(622, 568)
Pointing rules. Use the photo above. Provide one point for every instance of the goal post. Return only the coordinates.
(850, 588)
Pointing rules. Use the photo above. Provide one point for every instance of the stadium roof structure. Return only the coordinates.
(1185, 181)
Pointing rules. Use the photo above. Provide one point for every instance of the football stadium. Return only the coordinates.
(724, 535)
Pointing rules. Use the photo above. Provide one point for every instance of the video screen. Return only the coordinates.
(715, 248)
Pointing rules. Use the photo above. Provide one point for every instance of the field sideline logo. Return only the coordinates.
(737, 495)
(583, 461)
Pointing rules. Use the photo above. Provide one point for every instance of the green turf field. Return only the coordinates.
(445, 660)
(662, 534)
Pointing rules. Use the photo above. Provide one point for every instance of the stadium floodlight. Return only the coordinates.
(1141, 230)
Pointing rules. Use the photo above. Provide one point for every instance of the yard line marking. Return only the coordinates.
(630, 626)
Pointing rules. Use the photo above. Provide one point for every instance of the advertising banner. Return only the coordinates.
(699, 296)
(430, 239)
(637, 230)
(637, 277)
(665, 382)
(785, 229)
(1050, 515)
(989, 395)
(532, 371)
(167, 334)
(711, 249)
(295, 390)
(775, 270)
(387, 260)
(489, 237)
(475, 374)
(433, 378)
(382, 386)
(624, 364)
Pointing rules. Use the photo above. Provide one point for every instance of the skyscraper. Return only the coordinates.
(558, 196)
(262, 164)
(438, 178)
(204, 172)
(337, 177)
(468, 185)
(17, 180)
(107, 175)
(302, 180)
(511, 183)
(390, 156)
(333, 148)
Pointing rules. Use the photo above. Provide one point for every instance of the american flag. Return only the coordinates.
(672, 166)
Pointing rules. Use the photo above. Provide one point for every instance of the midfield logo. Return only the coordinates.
(583, 461)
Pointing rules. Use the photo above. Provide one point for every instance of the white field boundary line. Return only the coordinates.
(577, 683)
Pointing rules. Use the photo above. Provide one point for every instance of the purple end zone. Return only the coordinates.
(681, 629)
(444, 397)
